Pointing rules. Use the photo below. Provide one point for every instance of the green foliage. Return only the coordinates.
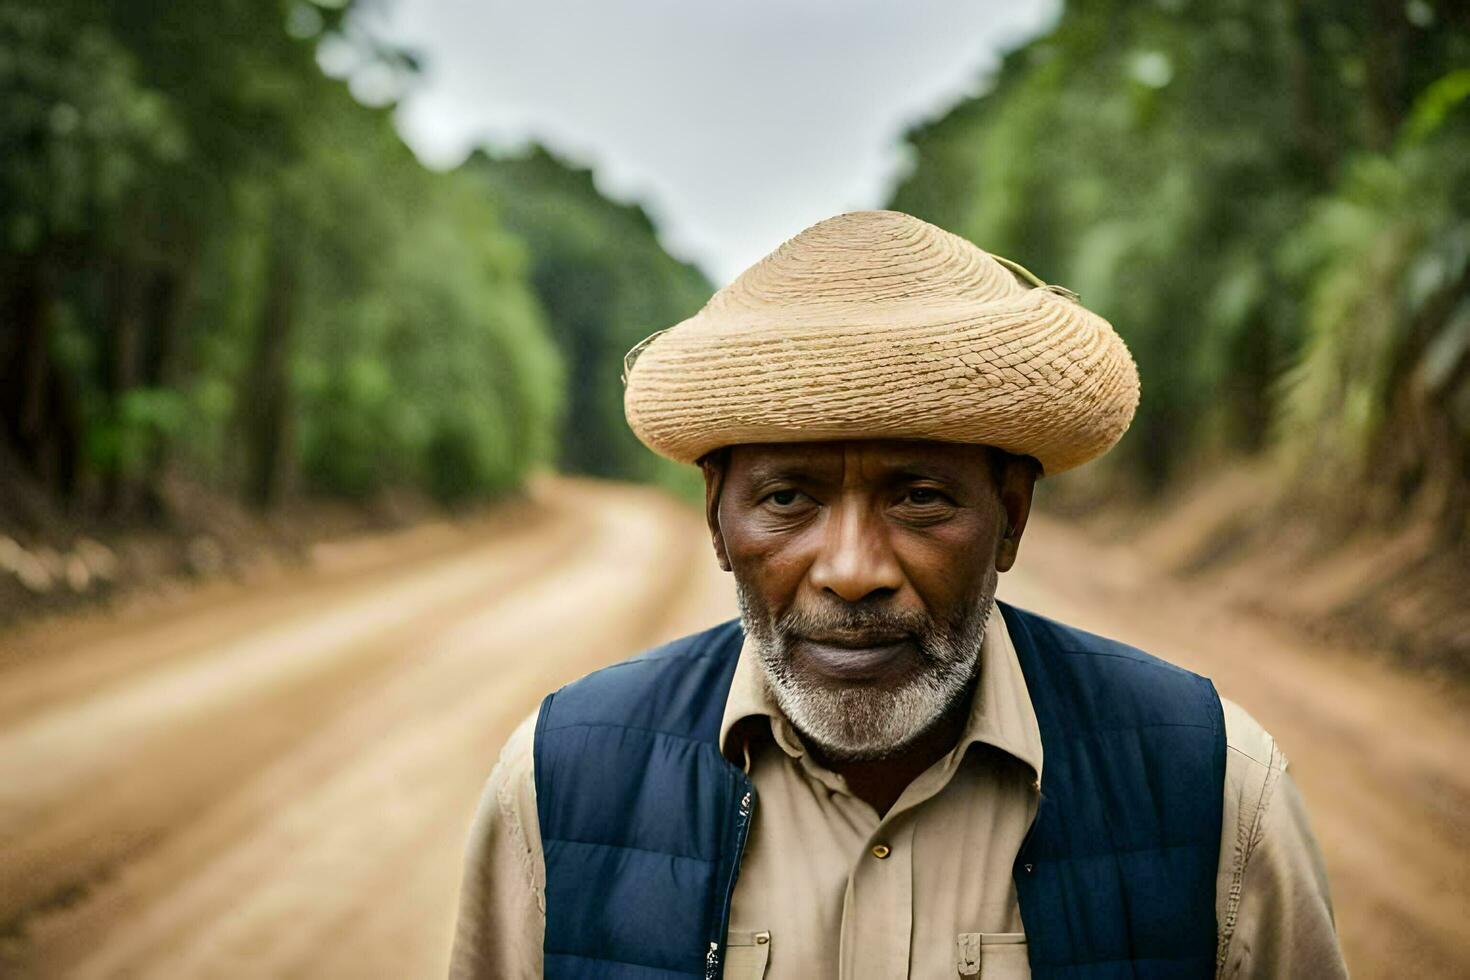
(213, 259)
(1437, 104)
(1382, 387)
(1248, 192)
(424, 337)
(80, 130)
(605, 283)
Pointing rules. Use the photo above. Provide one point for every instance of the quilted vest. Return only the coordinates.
(643, 820)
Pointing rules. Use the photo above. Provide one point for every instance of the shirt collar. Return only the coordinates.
(1001, 714)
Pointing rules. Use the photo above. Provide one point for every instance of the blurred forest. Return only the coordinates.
(1271, 202)
(224, 276)
(605, 284)
(218, 267)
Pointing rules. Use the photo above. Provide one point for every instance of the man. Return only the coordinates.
(880, 770)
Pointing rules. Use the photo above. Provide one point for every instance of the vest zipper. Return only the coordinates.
(742, 831)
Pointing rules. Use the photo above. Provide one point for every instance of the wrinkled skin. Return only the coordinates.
(865, 571)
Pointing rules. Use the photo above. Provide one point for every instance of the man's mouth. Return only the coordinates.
(856, 639)
(853, 656)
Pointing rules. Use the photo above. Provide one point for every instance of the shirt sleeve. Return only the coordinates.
(1277, 912)
(502, 904)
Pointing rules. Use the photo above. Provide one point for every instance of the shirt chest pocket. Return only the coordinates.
(746, 954)
(992, 956)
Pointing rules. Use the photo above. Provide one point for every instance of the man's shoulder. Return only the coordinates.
(1107, 682)
(514, 764)
(1057, 637)
(1253, 762)
(714, 642)
(607, 689)
(650, 689)
(1255, 769)
(505, 827)
(601, 694)
(1247, 738)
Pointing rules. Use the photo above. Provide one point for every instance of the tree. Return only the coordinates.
(209, 252)
(605, 282)
(1230, 184)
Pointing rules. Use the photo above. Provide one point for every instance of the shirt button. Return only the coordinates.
(881, 851)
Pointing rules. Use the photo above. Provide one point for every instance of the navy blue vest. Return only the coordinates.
(643, 821)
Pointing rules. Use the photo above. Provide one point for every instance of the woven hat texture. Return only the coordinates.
(875, 324)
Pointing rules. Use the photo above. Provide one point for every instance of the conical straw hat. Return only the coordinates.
(875, 325)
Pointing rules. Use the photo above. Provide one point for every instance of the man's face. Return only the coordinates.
(866, 572)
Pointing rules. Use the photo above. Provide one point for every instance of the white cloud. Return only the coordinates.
(735, 124)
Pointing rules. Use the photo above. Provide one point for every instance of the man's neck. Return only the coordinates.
(880, 782)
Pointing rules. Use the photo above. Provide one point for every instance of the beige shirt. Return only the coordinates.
(828, 889)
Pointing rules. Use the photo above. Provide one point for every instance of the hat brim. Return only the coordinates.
(1032, 373)
(877, 325)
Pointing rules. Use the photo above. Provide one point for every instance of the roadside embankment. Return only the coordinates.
(1395, 591)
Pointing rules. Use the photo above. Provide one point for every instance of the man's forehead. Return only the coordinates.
(873, 456)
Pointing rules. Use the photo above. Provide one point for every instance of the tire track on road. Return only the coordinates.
(150, 752)
(54, 661)
(304, 867)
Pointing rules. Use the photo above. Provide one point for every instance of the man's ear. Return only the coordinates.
(713, 465)
(1016, 485)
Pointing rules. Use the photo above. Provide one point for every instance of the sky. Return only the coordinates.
(734, 124)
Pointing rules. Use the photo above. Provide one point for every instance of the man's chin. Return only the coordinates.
(857, 721)
(844, 752)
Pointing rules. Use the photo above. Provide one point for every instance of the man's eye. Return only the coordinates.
(784, 498)
(924, 495)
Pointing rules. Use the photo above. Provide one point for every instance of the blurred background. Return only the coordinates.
(314, 476)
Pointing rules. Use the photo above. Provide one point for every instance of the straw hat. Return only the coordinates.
(875, 324)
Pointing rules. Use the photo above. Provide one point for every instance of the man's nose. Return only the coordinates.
(855, 558)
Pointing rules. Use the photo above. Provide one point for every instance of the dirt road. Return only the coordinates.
(276, 782)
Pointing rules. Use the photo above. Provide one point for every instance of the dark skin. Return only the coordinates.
(907, 525)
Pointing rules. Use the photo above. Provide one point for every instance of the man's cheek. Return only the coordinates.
(770, 587)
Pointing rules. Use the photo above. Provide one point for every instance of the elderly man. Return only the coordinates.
(880, 770)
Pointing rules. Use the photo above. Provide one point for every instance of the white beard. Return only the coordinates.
(853, 723)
